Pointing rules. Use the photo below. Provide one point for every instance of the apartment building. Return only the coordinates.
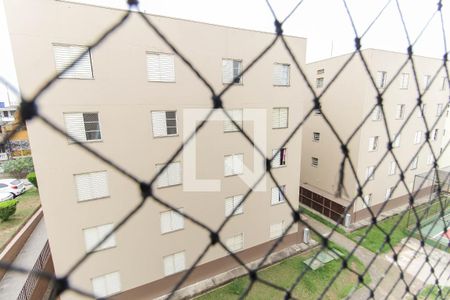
(127, 99)
(346, 104)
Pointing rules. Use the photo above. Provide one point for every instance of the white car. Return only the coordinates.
(12, 186)
(6, 196)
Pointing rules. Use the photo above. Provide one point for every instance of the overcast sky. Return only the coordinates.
(323, 22)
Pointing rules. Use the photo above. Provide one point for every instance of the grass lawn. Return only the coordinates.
(321, 219)
(27, 205)
(284, 274)
(432, 292)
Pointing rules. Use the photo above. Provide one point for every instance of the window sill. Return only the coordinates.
(276, 204)
(280, 127)
(166, 136)
(169, 186)
(234, 215)
(281, 85)
(172, 231)
(101, 249)
(93, 199)
(85, 142)
(231, 175)
(161, 81)
(279, 167)
(76, 78)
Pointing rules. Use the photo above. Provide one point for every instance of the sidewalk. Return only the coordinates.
(12, 282)
(391, 286)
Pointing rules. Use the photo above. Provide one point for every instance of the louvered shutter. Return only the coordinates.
(228, 165)
(99, 185)
(153, 68)
(165, 219)
(66, 54)
(275, 195)
(179, 261)
(103, 231)
(113, 283)
(228, 206)
(83, 185)
(163, 178)
(277, 74)
(238, 164)
(284, 117)
(276, 159)
(75, 126)
(177, 220)
(236, 201)
(167, 67)
(159, 123)
(99, 287)
(174, 173)
(90, 238)
(392, 168)
(276, 118)
(227, 71)
(169, 266)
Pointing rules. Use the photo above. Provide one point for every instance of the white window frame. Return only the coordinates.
(74, 72)
(106, 285)
(389, 193)
(316, 137)
(381, 79)
(277, 196)
(276, 230)
(279, 158)
(90, 180)
(226, 80)
(170, 264)
(231, 203)
(373, 143)
(233, 164)
(430, 159)
(376, 114)
(396, 141)
(237, 116)
(285, 74)
(367, 200)
(392, 168)
(171, 221)
(419, 111)
(439, 109)
(434, 134)
(404, 81)
(97, 233)
(426, 81)
(169, 177)
(76, 123)
(315, 162)
(235, 243)
(277, 117)
(159, 76)
(418, 137)
(161, 130)
(414, 163)
(320, 82)
(370, 173)
(444, 83)
(400, 111)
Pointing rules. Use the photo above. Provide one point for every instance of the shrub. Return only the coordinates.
(32, 178)
(19, 167)
(7, 209)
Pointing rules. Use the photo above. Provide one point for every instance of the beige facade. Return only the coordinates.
(347, 103)
(123, 98)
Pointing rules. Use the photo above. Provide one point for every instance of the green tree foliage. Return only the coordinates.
(19, 167)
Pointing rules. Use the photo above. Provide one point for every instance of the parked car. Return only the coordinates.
(12, 186)
(5, 196)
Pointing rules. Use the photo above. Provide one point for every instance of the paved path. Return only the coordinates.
(12, 282)
(387, 284)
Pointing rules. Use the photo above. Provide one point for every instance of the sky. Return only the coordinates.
(324, 23)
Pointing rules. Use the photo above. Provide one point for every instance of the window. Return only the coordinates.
(236, 115)
(434, 134)
(235, 243)
(320, 71)
(92, 185)
(164, 123)
(439, 110)
(106, 285)
(231, 203)
(367, 199)
(93, 235)
(319, 82)
(83, 127)
(314, 162)
(418, 137)
(370, 173)
(316, 136)
(414, 163)
(317, 112)
(444, 83)
(381, 79)
(400, 112)
(174, 263)
(280, 117)
(421, 111)
(65, 55)
(234, 164)
(426, 81)
(373, 143)
(170, 176)
(160, 67)
(430, 159)
(388, 193)
(281, 74)
(392, 168)
(396, 141)
(171, 221)
(376, 114)
(276, 230)
(279, 157)
(404, 81)
(231, 71)
(277, 194)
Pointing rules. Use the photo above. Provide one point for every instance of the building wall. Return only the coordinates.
(123, 97)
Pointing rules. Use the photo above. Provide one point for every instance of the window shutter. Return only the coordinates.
(284, 117)
(276, 118)
(153, 69)
(163, 178)
(276, 158)
(159, 123)
(238, 163)
(99, 185)
(177, 220)
(169, 266)
(167, 67)
(83, 186)
(236, 201)
(275, 195)
(99, 286)
(277, 74)
(228, 165)
(103, 231)
(371, 143)
(229, 205)
(66, 54)
(90, 238)
(165, 222)
(113, 283)
(276, 230)
(179, 261)
(227, 71)
(174, 171)
(75, 126)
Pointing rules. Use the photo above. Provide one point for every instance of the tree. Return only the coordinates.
(19, 167)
